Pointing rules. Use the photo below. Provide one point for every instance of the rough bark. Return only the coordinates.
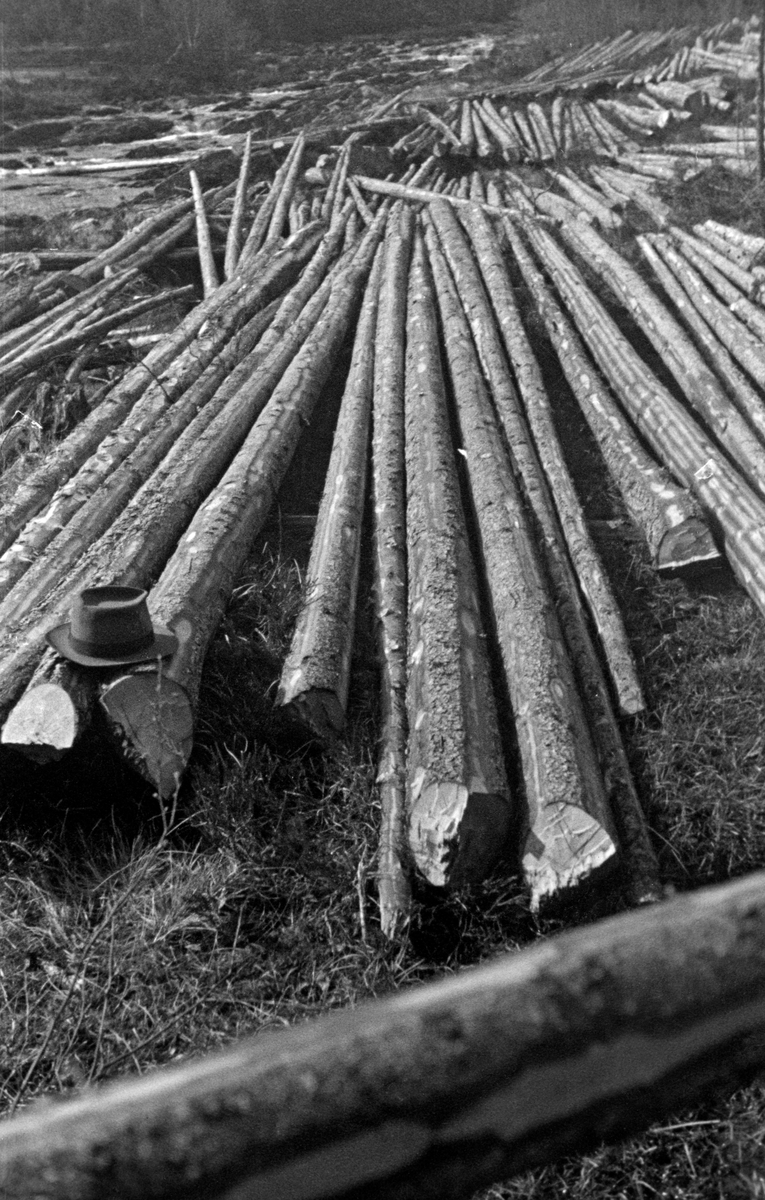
(699, 384)
(731, 285)
(160, 371)
(234, 236)
(678, 538)
(589, 569)
(569, 836)
(258, 232)
(670, 430)
(196, 584)
(207, 267)
(585, 1037)
(316, 674)
(459, 807)
(415, 194)
(588, 200)
(713, 325)
(389, 534)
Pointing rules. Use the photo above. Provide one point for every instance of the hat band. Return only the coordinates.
(111, 649)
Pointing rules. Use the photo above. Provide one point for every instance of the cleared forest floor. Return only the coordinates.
(132, 935)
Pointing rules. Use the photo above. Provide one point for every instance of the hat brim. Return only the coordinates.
(165, 644)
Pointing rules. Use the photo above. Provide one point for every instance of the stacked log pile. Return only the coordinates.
(506, 672)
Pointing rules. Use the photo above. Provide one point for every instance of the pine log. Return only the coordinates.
(136, 546)
(556, 117)
(209, 273)
(164, 374)
(589, 569)
(151, 712)
(506, 135)
(701, 387)
(706, 261)
(467, 130)
(314, 680)
(531, 147)
(293, 162)
(735, 255)
(669, 429)
(752, 244)
(678, 538)
(41, 354)
(583, 1038)
(638, 855)
(482, 139)
(542, 130)
(54, 711)
(458, 798)
(234, 236)
(258, 231)
(569, 836)
(389, 539)
(587, 200)
(712, 324)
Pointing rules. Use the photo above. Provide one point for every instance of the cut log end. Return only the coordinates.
(152, 719)
(577, 850)
(318, 710)
(688, 550)
(456, 835)
(44, 725)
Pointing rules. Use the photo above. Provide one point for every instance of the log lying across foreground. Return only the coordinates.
(445, 1088)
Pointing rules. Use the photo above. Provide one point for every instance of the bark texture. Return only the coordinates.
(587, 1036)
(459, 809)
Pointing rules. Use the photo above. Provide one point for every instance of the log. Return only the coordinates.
(589, 569)
(586, 199)
(390, 575)
(257, 234)
(53, 713)
(418, 195)
(41, 354)
(669, 429)
(586, 1036)
(162, 376)
(150, 712)
(569, 836)
(314, 680)
(458, 798)
(293, 163)
(210, 279)
(234, 236)
(706, 261)
(712, 324)
(700, 386)
(467, 129)
(482, 140)
(678, 538)
(134, 549)
(543, 132)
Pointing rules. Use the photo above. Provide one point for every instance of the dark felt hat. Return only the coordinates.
(110, 626)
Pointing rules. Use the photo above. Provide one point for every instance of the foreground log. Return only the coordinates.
(458, 797)
(589, 1035)
(316, 674)
(569, 836)
(161, 372)
(678, 538)
(151, 713)
(389, 537)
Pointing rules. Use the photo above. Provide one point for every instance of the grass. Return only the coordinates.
(131, 937)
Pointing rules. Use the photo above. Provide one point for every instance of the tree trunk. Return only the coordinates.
(458, 797)
(389, 534)
(713, 325)
(261, 225)
(666, 425)
(733, 286)
(162, 376)
(586, 199)
(677, 535)
(700, 386)
(151, 712)
(569, 836)
(540, 124)
(589, 569)
(53, 712)
(314, 681)
(210, 279)
(234, 236)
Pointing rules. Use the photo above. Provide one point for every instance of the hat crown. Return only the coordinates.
(111, 620)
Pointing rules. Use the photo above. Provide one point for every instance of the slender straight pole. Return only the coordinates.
(761, 98)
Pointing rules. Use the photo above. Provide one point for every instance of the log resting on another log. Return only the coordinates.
(587, 1036)
(458, 798)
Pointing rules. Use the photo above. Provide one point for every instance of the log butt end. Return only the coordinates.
(317, 710)
(455, 835)
(576, 849)
(44, 725)
(150, 717)
(688, 550)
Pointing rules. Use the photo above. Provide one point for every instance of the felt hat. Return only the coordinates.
(110, 626)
